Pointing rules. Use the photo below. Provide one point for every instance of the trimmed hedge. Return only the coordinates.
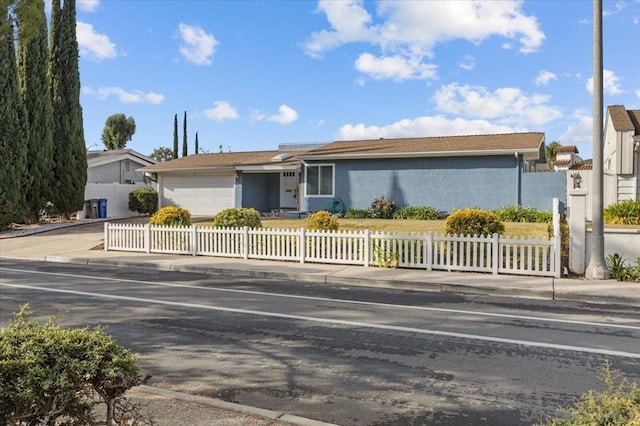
(321, 221)
(237, 218)
(143, 200)
(171, 216)
(473, 222)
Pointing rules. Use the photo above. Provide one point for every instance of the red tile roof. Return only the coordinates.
(566, 148)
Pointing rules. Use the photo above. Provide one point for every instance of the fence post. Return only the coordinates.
(106, 236)
(495, 253)
(557, 235)
(245, 242)
(194, 240)
(429, 251)
(147, 238)
(302, 237)
(367, 246)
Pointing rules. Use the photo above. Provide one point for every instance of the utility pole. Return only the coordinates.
(597, 267)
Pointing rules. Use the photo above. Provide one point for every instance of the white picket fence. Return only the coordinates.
(492, 254)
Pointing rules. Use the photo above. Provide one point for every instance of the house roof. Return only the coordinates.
(495, 144)
(562, 163)
(625, 120)
(97, 158)
(566, 148)
(587, 165)
(246, 160)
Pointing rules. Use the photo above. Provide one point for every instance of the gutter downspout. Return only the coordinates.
(518, 180)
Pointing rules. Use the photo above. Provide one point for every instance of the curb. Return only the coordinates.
(231, 406)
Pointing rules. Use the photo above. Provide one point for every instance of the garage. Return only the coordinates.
(202, 195)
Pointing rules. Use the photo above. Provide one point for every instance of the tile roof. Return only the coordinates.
(223, 160)
(561, 163)
(582, 166)
(510, 142)
(566, 148)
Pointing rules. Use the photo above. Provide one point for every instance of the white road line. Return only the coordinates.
(596, 351)
(343, 301)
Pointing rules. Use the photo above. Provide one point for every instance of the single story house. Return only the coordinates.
(621, 155)
(446, 173)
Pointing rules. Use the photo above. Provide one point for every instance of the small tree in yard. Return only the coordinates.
(143, 200)
(118, 130)
(54, 375)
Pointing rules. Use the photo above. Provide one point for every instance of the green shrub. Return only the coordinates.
(382, 208)
(353, 213)
(321, 221)
(237, 218)
(143, 200)
(418, 213)
(171, 216)
(54, 375)
(617, 405)
(623, 213)
(523, 214)
(619, 269)
(473, 222)
(564, 240)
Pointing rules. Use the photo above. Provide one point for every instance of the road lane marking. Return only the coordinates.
(342, 301)
(527, 343)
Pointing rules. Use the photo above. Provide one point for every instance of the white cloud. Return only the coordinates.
(88, 5)
(135, 97)
(610, 83)
(197, 46)
(638, 93)
(580, 130)
(221, 111)
(544, 77)
(422, 126)
(468, 63)
(394, 67)
(507, 105)
(286, 115)
(411, 30)
(93, 45)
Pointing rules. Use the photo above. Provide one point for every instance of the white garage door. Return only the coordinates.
(201, 195)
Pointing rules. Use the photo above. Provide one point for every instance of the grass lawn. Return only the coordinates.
(535, 230)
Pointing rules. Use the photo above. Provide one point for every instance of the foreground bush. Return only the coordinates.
(51, 375)
(523, 214)
(171, 216)
(617, 405)
(382, 208)
(418, 213)
(353, 213)
(237, 218)
(623, 213)
(473, 222)
(321, 221)
(622, 271)
(143, 200)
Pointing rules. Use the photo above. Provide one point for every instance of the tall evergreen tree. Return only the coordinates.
(184, 135)
(175, 136)
(197, 147)
(70, 158)
(33, 62)
(13, 128)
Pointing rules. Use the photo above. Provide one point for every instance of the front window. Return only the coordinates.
(320, 180)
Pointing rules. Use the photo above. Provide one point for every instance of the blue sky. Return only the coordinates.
(253, 74)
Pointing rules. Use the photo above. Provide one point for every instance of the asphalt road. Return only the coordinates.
(345, 355)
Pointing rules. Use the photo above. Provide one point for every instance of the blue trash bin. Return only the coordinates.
(102, 208)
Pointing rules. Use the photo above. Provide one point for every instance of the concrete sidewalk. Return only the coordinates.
(80, 245)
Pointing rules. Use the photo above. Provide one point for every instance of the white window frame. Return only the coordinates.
(333, 180)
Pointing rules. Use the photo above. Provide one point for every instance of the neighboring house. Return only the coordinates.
(565, 157)
(206, 184)
(116, 166)
(111, 176)
(446, 173)
(621, 155)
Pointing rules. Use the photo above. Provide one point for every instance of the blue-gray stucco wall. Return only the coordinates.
(539, 189)
(446, 183)
(261, 191)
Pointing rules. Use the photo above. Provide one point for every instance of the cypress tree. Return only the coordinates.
(175, 136)
(70, 157)
(13, 129)
(184, 135)
(33, 60)
(197, 148)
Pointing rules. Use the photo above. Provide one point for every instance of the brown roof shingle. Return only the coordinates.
(222, 160)
(620, 118)
(566, 148)
(439, 144)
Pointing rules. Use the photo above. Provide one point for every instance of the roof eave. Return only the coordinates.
(532, 153)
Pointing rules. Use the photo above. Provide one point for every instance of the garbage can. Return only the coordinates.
(94, 208)
(87, 209)
(102, 208)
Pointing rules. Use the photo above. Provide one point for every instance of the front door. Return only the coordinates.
(289, 190)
